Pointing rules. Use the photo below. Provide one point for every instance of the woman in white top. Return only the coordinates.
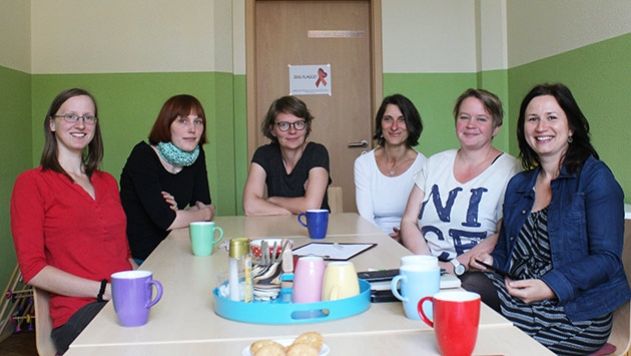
(384, 176)
(456, 204)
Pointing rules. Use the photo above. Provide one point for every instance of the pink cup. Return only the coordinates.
(308, 280)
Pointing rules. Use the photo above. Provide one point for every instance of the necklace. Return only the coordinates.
(391, 161)
(392, 171)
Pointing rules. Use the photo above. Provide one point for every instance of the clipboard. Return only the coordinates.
(333, 251)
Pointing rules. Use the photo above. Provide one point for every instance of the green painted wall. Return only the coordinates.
(599, 76)
(128, 105)
(129, 102)
(434, 95)
(15, 128)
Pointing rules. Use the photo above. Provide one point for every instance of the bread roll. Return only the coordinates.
(312, 338)
(302, 350)
(258, 345)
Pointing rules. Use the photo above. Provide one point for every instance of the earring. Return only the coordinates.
(570, 139)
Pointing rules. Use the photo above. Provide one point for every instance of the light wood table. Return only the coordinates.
(185, 315)
(344, 224)
(507, 340)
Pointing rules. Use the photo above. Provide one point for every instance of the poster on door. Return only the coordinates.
(310, 79)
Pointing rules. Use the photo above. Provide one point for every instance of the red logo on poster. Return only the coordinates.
(321, 78)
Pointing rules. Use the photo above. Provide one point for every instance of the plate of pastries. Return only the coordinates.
(306, 344)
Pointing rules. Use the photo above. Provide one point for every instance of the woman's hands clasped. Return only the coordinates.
(527, 290)
(208, 207)
(170, 200)
(396, 234)
(199, 206)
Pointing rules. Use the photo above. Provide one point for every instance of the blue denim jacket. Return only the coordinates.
(586, 229)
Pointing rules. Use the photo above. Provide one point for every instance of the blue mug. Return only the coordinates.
(416, 282)
(317, 222)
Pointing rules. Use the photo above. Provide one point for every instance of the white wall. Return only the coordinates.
(542, 28)
(428, 36)
(419, 36)
(94, 36)
(223, 35)
(493, 47)
(15, 34)
(238, 36)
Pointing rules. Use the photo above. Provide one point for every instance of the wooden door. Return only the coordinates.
(339, 33)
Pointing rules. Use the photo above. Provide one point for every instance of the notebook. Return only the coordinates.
(447, 281)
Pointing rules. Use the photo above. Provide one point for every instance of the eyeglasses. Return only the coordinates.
(74, 118)
(297, 125)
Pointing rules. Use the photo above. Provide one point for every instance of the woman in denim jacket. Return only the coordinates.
(562, 234)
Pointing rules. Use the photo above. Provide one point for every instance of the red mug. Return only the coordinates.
(456, 318)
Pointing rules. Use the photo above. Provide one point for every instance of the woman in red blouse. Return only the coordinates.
(66, 218)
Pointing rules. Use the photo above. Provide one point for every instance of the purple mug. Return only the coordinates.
(131, 293)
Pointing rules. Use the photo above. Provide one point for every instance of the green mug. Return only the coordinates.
(204, 237)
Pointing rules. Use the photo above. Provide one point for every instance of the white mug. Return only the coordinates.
(425, 260)
(419, 276)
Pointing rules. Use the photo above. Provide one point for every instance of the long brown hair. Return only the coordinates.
(92, 155)
(579, 149)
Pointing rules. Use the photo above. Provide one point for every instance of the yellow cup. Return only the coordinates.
(340, 281)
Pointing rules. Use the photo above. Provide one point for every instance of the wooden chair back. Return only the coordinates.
(335, 200)
(43, 324)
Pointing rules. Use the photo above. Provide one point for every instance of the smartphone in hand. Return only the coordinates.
(500, 272)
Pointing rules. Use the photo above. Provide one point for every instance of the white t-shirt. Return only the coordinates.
(381, 199)
(456, 216)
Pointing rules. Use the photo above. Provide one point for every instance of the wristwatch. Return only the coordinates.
(459, 268)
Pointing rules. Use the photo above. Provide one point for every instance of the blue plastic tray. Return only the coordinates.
(279, 311)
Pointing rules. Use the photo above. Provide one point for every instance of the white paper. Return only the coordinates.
(332, 251)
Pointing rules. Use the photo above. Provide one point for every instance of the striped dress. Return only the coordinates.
(545, 320)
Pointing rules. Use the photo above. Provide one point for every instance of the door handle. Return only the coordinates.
(358, 144)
